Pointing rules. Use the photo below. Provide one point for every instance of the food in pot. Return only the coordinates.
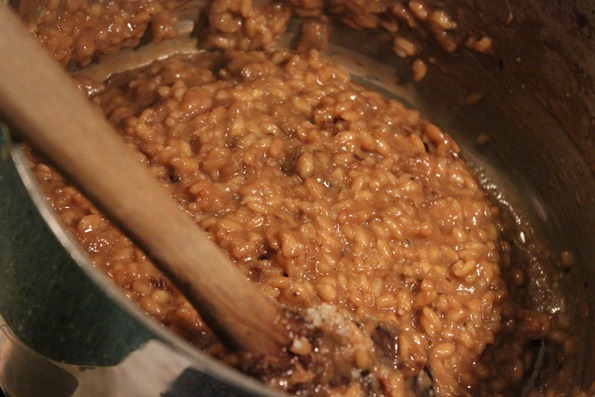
(81, 31)
(322, 192)
(332, 199)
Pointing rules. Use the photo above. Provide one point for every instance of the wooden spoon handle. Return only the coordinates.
(57, 119)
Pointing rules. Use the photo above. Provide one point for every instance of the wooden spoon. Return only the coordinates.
(39, 98)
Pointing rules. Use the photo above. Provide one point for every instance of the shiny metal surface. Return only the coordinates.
(538, 111)
(165, 373)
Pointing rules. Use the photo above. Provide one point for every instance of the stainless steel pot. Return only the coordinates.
(67, 332)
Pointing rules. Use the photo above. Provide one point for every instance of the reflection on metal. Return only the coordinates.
(26, 373)
(153, 370)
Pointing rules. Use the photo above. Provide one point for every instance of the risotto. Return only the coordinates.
(320, 191)
(328, 196)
